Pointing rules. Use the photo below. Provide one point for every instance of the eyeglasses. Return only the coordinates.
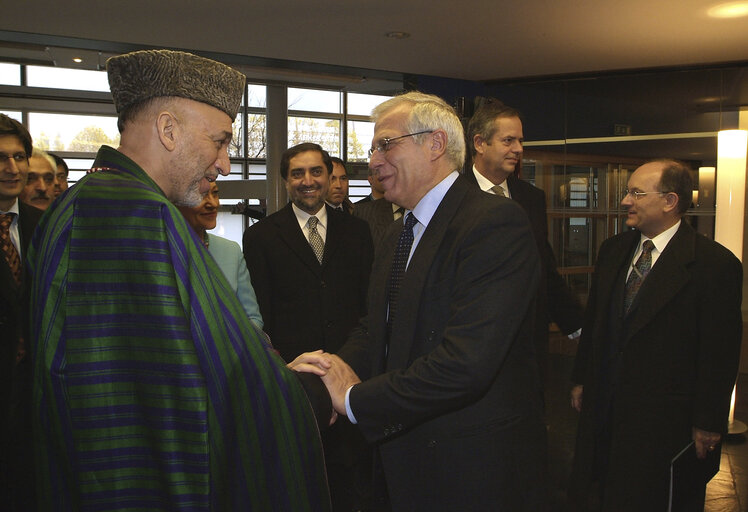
(638, 195)
(383, 145)
(17, 158)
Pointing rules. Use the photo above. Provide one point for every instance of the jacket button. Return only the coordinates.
(431, 443)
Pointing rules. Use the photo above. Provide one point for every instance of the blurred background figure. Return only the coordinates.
(40, 185)
(227, 254)
(377, 190)
(61, 175)
(337, 196)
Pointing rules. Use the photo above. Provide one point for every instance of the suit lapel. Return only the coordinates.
(291, 234)
(667, 277)
(335, 236)
(414, 280)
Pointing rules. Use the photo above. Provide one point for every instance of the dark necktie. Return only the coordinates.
(315, 240)
(399, 262)
(9, 250)
(638, 274)
(498, 190)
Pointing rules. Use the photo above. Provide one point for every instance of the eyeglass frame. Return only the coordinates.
(638, 195)
(383, 144)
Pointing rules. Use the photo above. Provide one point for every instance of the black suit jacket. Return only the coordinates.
(307, 306)
(650, 376)
(378, 214)
(15, 380)
(555, 301)
(456, 403)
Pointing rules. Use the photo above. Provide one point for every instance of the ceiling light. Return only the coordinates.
(77, 60)
(729, 10)
(397, 35)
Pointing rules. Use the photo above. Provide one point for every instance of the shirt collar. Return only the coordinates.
(661, 240)
(13, 208)
(486, 185)
(302, 217)
(428, 204)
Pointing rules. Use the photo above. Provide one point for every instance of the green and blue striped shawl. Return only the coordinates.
(152, 389)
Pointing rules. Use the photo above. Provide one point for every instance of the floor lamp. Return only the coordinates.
(732, 146)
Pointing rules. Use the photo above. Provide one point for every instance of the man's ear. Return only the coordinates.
(168, 130)
(438, 143)
(671, 201)
(478, 143)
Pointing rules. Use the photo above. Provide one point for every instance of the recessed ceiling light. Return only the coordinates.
(398, 35)
(729, 10)
(77, 60)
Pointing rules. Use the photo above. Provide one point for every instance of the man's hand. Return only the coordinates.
(704, 441)
(576, 397)
(317, 362)
(338, 378)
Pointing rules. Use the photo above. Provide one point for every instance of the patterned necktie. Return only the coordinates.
(399, 262)
(498, 190)
(638, 274)
(9, 250)
(398, 213)
(315, 240)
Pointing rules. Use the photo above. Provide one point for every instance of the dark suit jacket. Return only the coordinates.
(555, 301)
(307, 306)
(378, 214)
(669, 365)
(456, 404)
(15, 380)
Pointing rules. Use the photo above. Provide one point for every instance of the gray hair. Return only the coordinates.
(429, 112)
(36, 152)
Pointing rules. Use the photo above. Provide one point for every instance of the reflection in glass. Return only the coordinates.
(325, 132)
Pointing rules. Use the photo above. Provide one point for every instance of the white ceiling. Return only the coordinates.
(472, 40)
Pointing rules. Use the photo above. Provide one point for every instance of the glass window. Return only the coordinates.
(312, 100)
(325, 132)
(13, 114)
(257, 95)
(64, 78)
(257, 135)
(10, 74)
(237, 140)
(69, 132)
(363, 104)
(360, 134)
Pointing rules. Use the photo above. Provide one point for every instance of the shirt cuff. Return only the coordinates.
(348, 411)
(576, 334)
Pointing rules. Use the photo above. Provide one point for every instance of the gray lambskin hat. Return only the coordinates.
(142, 75)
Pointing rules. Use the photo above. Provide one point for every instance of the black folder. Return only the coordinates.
(689, 474)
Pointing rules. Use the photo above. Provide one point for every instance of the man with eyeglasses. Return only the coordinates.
(41, 183)
(658, 355)
(17, 223)
(441, 373)
(495, 139)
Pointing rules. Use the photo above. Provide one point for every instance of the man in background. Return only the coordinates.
(310, 267)
(17, 223)
(495, 138)
(377, 192)
(658, 355)
(41, 184)
(337, 195)
(61, 185)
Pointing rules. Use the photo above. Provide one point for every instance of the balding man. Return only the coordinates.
(658, 355)
(152, 388)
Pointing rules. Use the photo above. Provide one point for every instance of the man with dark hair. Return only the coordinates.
(337, 196)
(658, 355)
(310, 266)
(17, 223)
(377, 192)
(62, 174)
(152, 388)
(495, 140)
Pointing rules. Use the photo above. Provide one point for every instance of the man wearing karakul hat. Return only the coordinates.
(152, 389)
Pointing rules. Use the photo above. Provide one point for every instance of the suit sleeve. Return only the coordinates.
(493, 267)
(255, 256)
(720, 336)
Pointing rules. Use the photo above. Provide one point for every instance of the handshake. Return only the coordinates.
(335, 373)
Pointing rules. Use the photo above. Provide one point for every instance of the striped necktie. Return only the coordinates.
(9, 249)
